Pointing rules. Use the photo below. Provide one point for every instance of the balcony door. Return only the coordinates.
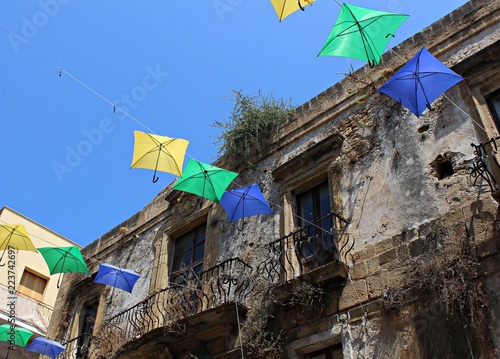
(187, 263)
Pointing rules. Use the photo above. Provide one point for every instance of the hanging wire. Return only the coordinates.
(62, 71)
(239, 329)
(74, 78)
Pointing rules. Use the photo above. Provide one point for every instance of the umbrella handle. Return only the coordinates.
(155, 178)
(300, 6)
(2, 264)
(371, 63)
(242, 226)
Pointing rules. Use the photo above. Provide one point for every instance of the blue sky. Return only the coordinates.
(66, 155)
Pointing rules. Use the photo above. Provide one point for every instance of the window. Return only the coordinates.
(87, 320)
(334, 352)
(188, 255)
(314, 207)
(32, 285)
(494, 105)
(315, 216)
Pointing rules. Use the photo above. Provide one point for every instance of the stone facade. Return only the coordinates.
(407, 268)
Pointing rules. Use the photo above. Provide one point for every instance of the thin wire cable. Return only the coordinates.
(74, 78)
(61, 70)
(33, 235)
(239, 329)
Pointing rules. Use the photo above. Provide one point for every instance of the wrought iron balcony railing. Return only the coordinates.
(480, 168)
(77, 348)
(226, 282)
(300, 252)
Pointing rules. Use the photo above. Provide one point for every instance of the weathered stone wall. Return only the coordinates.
(387, 182)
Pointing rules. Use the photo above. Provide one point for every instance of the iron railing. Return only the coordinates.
(226, 282)
(480, 166)
(300, 252)
(28, 310)
(77, 348)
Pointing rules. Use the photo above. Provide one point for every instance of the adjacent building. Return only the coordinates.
(383, 241)
(28, 275)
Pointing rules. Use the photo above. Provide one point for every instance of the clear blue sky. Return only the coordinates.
(65, 156)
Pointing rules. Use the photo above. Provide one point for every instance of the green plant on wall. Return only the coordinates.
(252, 124)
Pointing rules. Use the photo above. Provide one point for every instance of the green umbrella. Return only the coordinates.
(204, 180)
(14, 335)
(64, 260)
(361, 33)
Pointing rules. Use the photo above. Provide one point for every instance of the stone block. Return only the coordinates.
(353, 294)
(480, 222)
(358, 271)
(372, 266)
(403, 252)
(395, 277)
(375, 286)
(365, 254)
(387, 257)
(416, 248)
(487, 248)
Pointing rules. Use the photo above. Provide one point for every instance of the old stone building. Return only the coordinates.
(383, 241)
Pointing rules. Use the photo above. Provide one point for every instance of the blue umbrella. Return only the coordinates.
(45, 347)
(418, 83)
(244, 202)
(116, 277)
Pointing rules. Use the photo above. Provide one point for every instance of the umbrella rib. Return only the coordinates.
(417, 73)
(361, 33)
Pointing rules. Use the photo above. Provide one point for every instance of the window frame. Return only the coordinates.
(185, 272)
(329, 352)
(28, 292)
(492, 99)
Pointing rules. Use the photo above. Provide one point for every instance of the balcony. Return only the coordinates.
(34, 314)
(201, 307)
(301, 255)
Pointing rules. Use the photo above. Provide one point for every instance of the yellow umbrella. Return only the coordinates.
(14, 236)
(286, 7)
(159, 153)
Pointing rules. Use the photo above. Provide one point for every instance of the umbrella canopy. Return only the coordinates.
(284, 8)
(64, 260)
(158, 153)
(361, 33)
(45, 347)
(15, 236)
(116, 277)
(204, 180)
(18, 335)
(244, 202)
(418, 83)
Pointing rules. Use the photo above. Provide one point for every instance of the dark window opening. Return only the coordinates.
(314, 215)
(87, 320)
(188, 256)
(445, 169)
(494, 104)
(333, 352)
(313, 206)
